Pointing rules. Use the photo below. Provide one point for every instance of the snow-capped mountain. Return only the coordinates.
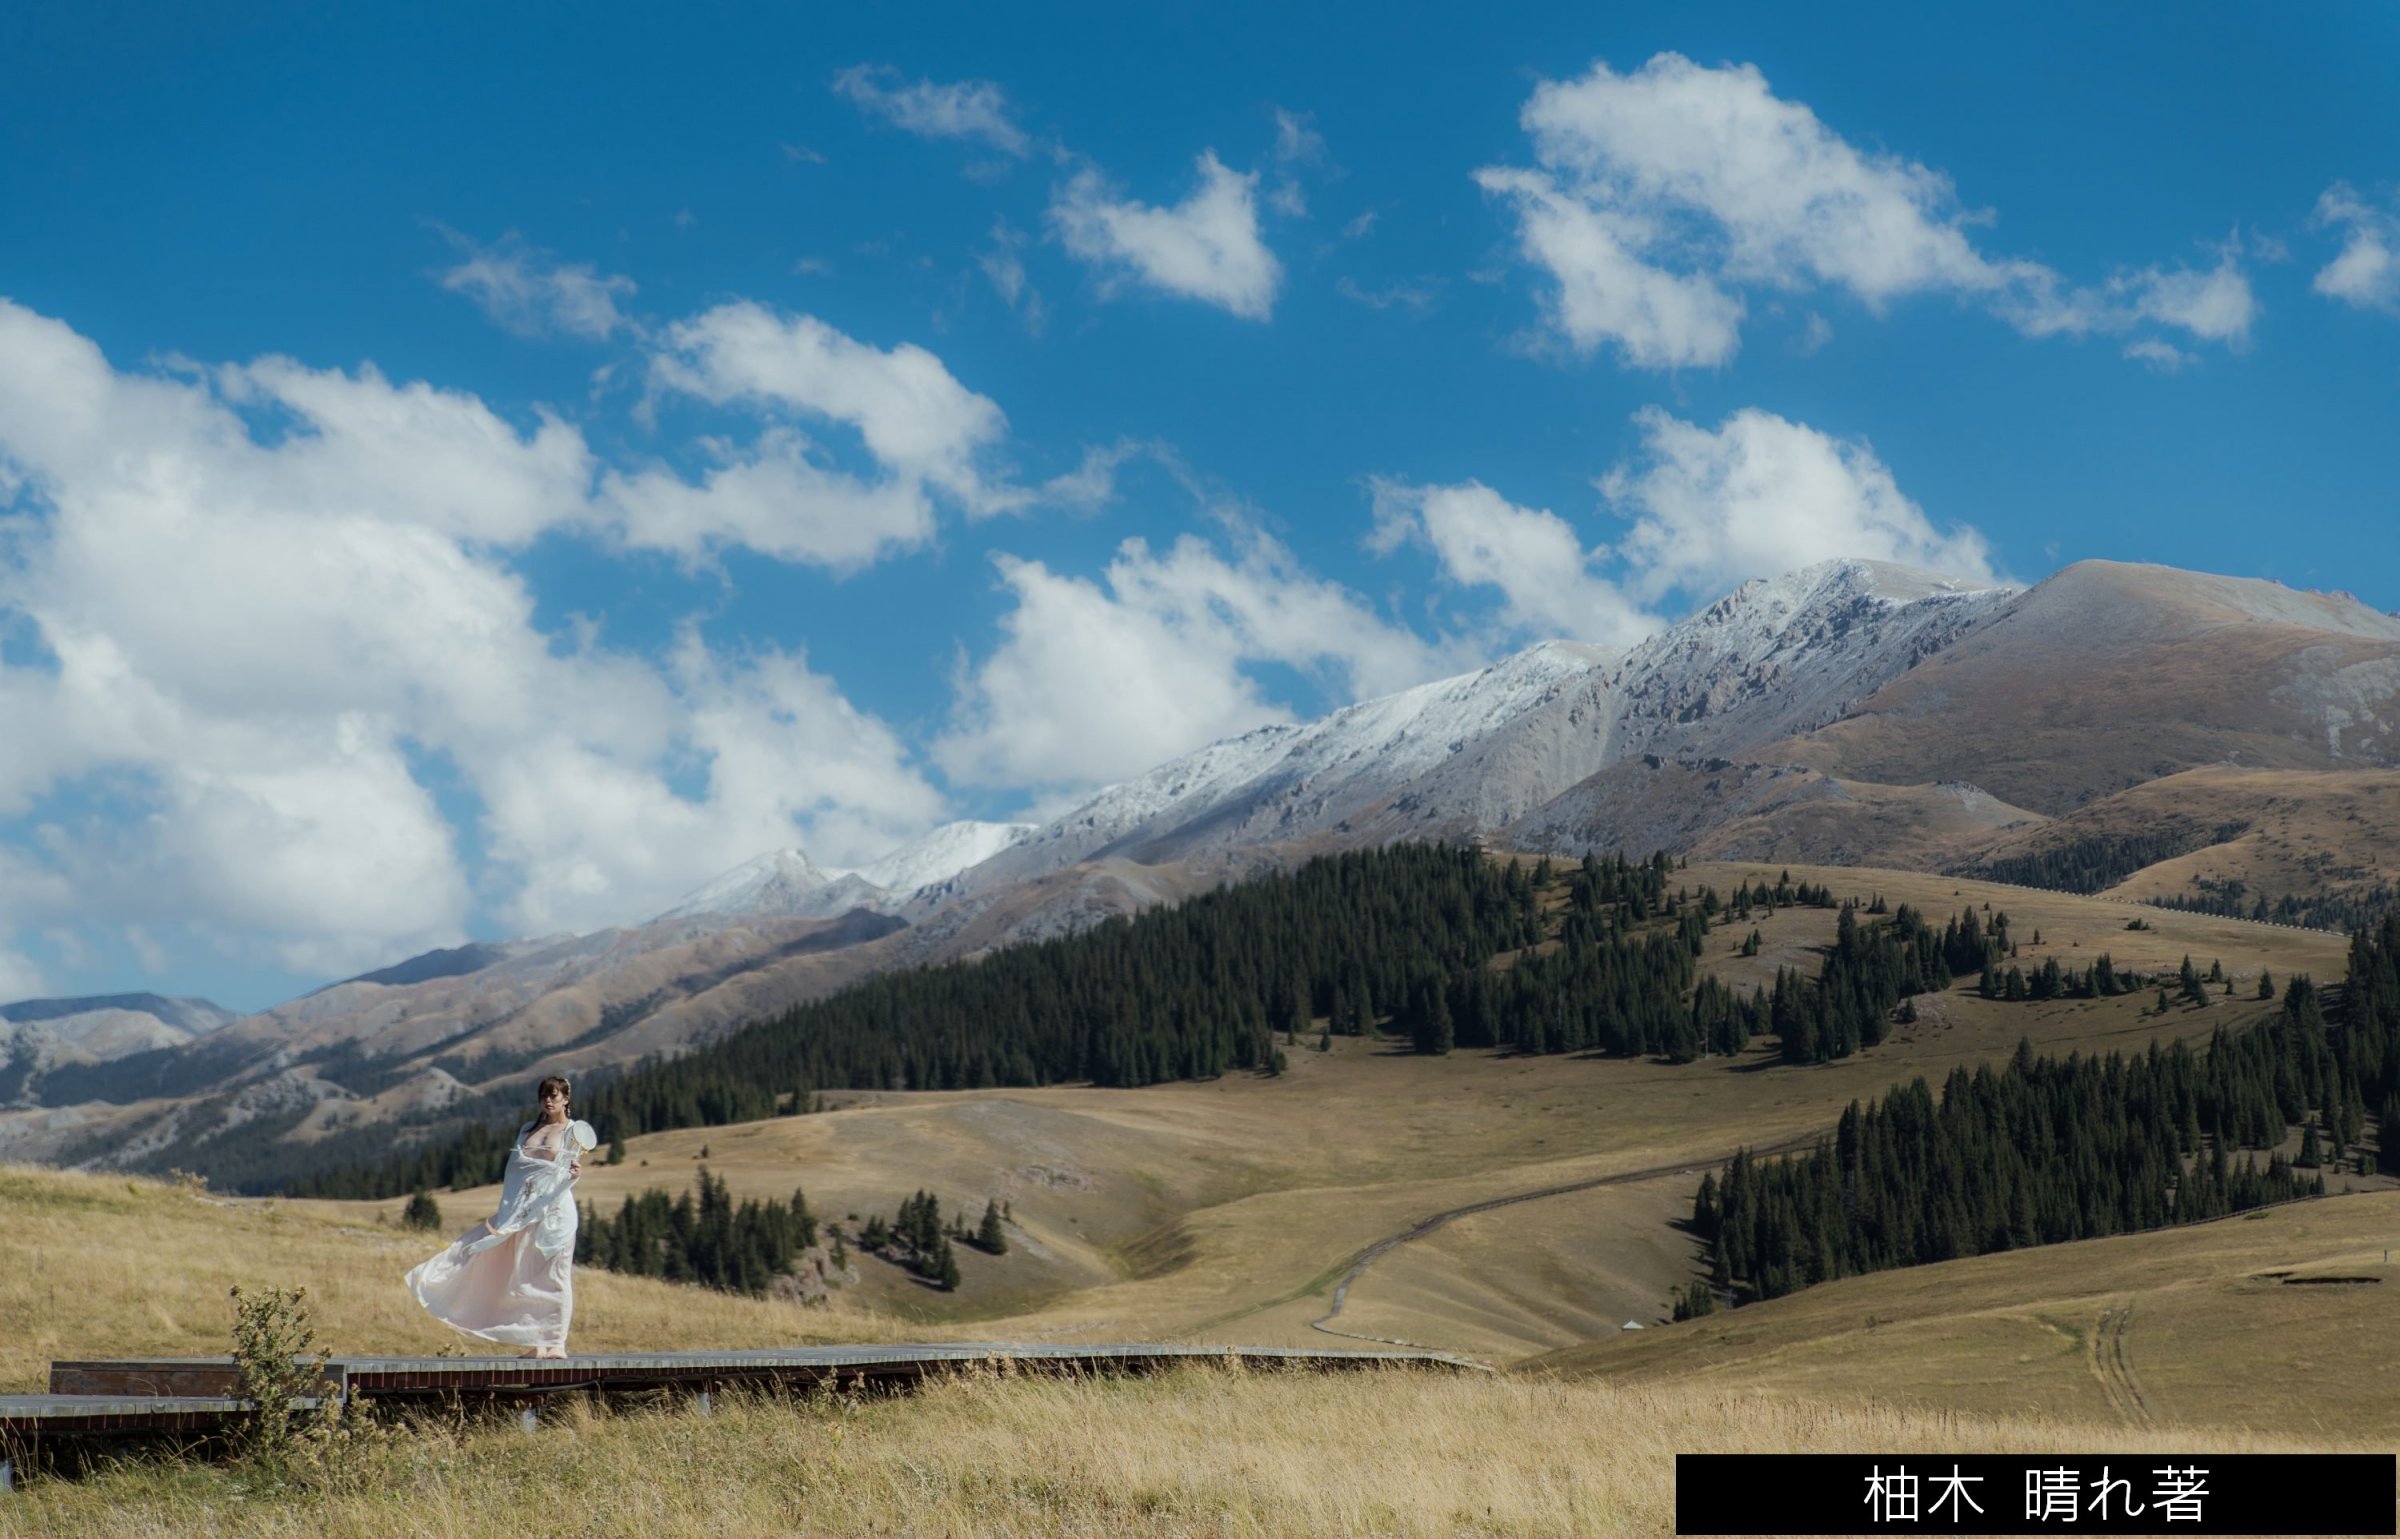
(778, 882)
(1477, 752)
(1283, 782)
(1847, 713)
(786, 884)
(942, 854)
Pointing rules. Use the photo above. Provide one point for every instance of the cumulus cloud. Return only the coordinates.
(964, 109)
(264, 602)
(1605, 293)
(774, 497)
(1759, 496)
(1549, 584)
(530, 294)
(589, 825)
(1093, 681)
(2366, 272)
(1207, 247)
(1659, 195)
(914, 417)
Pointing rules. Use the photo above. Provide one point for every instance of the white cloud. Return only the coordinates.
(20, 979)
(773, 498)
(1096, 680)
(1093, 481)
(2215, 306)
(1607, 294)
(917, 421)
(965, 109)
(1663, 192)
(1416, 294)
(1761, 496)
(529, 294)
(1004, 265)
(1297, 141)
(2165, 357)
(1297, 145)
(1361, 226)
(1207, 247)
(1548, 582)
(591, 827)
(2366, 272)
(266, 600)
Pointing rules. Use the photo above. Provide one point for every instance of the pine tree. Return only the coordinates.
(422, 1211)
(945, 1267)
(989, 1234)
(616, 1151)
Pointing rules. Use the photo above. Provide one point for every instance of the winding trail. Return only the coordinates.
(2107, 1360)
(1426, 1226)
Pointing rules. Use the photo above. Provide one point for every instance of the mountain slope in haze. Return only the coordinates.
(41, 1035)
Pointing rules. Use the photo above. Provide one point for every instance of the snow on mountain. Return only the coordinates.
(1286, 781)
(942, 854)
(1475, 752)
(1785, 654)
(779, 882)
(787, 884)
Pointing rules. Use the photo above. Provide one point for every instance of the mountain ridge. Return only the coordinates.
(1852, 713)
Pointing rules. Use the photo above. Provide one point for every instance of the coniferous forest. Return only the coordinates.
(1226, 981)
(2045, 1150)
(700, 1237)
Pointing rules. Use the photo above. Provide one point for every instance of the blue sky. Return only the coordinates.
(485, 471)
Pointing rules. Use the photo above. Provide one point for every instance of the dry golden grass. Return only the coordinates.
(1200, 1451)
(1227, 1210)
(2191, 1327)
(102, 1266)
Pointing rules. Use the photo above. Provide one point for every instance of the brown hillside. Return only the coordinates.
(2278, 1321)
(2109, 675)
(2332, 833)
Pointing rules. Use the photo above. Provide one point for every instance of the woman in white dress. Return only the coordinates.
(510, 1279)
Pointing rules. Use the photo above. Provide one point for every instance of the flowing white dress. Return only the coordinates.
(514, 1283)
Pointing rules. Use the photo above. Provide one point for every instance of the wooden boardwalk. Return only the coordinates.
(96, 1401)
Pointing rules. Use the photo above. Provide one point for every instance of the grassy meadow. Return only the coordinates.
(1196, 1452)
(1226, 1211)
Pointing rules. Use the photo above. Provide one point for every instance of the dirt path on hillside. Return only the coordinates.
(2105, 1357)
(1426, 1226)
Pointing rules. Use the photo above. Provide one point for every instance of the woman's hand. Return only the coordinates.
(574, 1169)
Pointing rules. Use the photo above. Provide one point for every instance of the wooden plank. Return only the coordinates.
(28, 1416)
(637, 1370)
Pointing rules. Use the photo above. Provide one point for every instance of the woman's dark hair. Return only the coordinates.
(558, 1081)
